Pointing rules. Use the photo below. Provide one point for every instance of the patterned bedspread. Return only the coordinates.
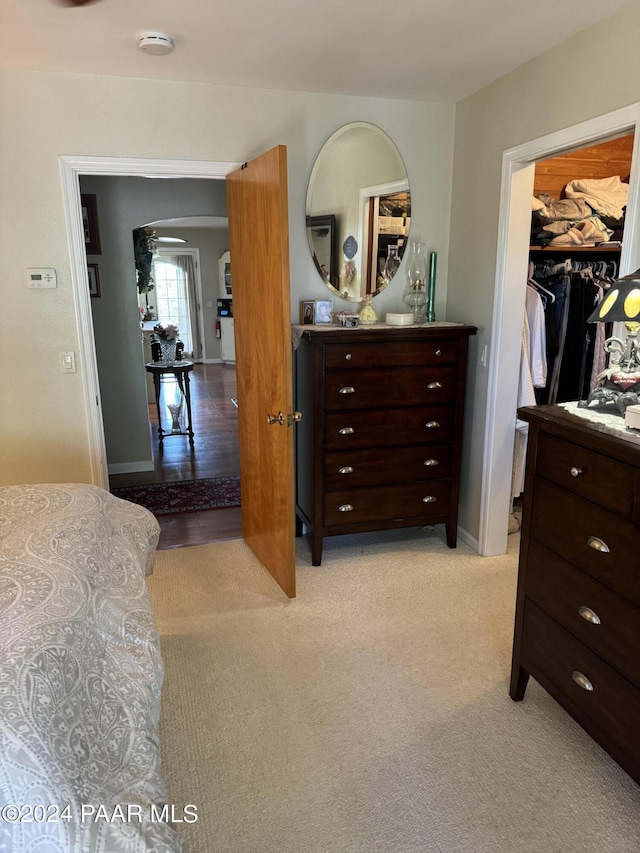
(80, 675)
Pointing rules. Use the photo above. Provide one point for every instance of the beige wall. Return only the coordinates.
(593, 73)
(43, 427)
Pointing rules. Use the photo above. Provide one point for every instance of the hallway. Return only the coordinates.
(215, 454)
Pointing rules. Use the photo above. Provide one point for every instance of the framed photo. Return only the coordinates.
(307, 312)
(323, 311)
(90, 224)
(94, 279)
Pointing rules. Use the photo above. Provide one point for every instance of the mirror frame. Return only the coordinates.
(366, 231)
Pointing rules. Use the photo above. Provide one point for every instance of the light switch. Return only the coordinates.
(41, 277)
(68, 362)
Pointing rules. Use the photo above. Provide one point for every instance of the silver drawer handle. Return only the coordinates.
(431, 462)
(345, 508)
(348, 356)
(598, 545)
(575, 472)
(348, 389)
(582, 681)
(346, 431)
(429, 499)
(432, 424)
(589, 615)
(347, 469)
(438, 352)
(434, 385)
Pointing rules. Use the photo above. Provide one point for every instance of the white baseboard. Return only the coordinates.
(212, 361)
(130, 467)
(468, 539)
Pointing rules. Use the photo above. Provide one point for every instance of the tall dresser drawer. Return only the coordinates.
(591, 475)
(612, 703)
(385, 427)
(398, 354)
(413, 500)
(360, 389)
(347, 468)
(597, 541)
(606, 622)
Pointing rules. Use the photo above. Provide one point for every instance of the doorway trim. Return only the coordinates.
(514, 225)
(71, 169)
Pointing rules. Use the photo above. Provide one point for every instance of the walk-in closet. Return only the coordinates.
(577, 231)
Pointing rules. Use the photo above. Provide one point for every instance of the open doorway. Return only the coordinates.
(518, 175)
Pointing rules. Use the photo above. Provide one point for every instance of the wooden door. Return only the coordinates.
(257, 206)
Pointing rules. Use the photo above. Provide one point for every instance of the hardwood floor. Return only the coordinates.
(215, 454)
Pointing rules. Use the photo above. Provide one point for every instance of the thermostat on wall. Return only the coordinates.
(41, 277)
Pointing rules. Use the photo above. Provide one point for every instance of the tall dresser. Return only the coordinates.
(380, 439)
(577, 629)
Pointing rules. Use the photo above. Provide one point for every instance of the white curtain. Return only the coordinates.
(185, 263)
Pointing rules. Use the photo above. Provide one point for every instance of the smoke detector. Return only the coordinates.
(156, 43)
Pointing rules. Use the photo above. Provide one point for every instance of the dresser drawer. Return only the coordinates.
(385, 427)
(414, 386)
(613, 704)
(401, 354)
(611, 624)
(591, 475)
(571, 527)
(348, 468)
(386, 503)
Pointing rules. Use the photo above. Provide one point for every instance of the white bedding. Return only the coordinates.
(80, 675)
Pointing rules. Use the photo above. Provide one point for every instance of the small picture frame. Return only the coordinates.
(90, 224)
(94, 280)
(324, 309)
(307, 312)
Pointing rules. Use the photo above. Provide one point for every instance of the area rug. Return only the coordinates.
(184, 496)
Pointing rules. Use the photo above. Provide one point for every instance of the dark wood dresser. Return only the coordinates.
(379, 443)
(577, 627)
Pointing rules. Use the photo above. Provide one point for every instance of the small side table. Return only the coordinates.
(180, 370)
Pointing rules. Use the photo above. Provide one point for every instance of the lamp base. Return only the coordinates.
(617, 391)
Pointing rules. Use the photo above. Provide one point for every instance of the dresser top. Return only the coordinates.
(374, 331)
(591, 426)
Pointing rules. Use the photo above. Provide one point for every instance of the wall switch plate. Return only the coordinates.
(41, 277)
(68, 362)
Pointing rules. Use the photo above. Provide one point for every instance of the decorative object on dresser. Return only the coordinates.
(620, 382)
(577, 626)
(379, 444)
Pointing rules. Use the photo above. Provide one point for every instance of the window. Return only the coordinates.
(172, 303)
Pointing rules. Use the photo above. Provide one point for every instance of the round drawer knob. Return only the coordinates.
(575, 472)
(589, 615)
(582, 681)
(598, 545)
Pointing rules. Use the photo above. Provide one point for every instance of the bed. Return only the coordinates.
(80, 675)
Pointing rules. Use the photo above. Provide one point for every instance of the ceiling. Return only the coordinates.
(429, 50)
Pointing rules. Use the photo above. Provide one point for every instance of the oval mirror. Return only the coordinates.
(358, 211)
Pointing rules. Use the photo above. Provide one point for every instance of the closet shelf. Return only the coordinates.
(571, 250)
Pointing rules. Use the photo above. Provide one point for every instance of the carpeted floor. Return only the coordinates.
(185, 495)
(371, 714)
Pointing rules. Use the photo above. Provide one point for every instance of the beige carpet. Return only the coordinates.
(371, 714)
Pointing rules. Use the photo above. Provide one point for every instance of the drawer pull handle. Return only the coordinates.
(429, 499)
(347, 469)
(345, 508)
(348, 356)
(582, 681)
(438, 352)
(589, 615)
(431, 462)
(347, 431)
(575, 472)
(348, 389)
(598, 545)
(432, 424)
(434, 385)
